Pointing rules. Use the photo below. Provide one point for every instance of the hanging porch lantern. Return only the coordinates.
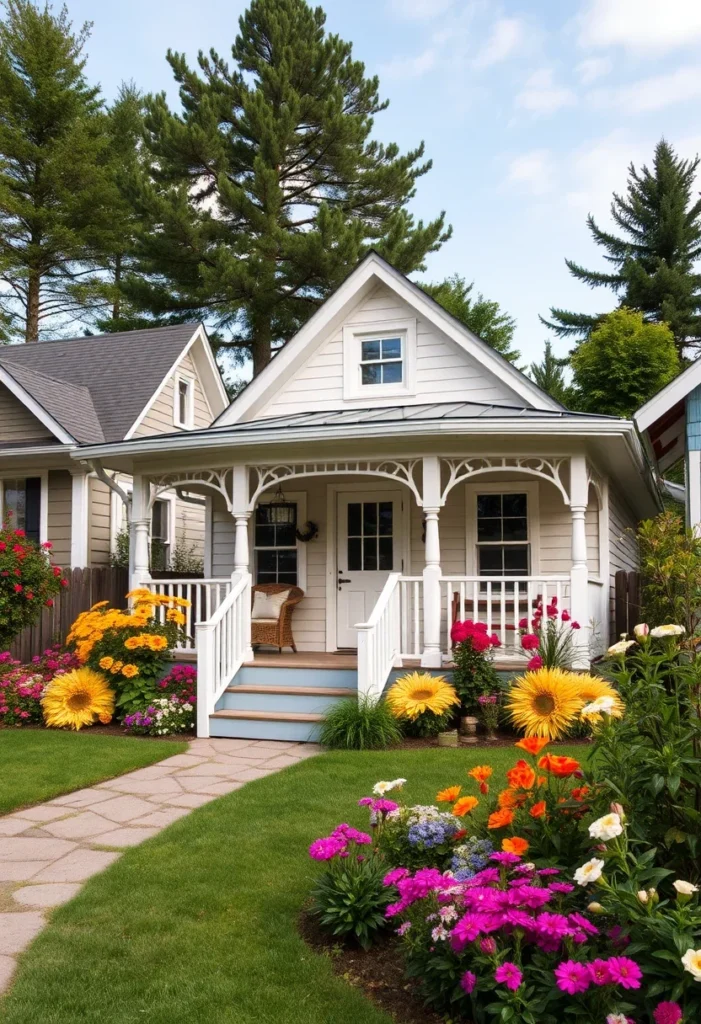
(279, 511)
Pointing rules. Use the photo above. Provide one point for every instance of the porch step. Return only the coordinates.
(285, 678)
(294, 726)
(299, 691)
(270, 716)
(303, 699)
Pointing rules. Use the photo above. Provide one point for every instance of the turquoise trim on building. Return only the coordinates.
(693, 420)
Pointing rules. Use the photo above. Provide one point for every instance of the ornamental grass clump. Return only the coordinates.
(360, 723)
(423, 704)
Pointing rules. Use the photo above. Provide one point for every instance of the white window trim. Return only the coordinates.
(189, 422)
(373, 394)
(118, 514)
(43, 475)
(171, 500)
(300, 498)
(531, 489)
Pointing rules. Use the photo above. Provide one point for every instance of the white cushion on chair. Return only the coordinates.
(268, 606)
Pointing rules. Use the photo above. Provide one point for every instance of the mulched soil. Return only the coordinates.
(502, 740)
(379, 972)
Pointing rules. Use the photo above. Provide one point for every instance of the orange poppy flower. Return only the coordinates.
(521, 776)
(579, 794)
(532, 744)
(481, 773)
(500, 819)
(514, 845)
(559, 765)
(538, 810)
(507, 798)
(449, 795)
(464, 806)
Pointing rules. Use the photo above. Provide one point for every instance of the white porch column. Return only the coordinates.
(579, 572)
(242, 514)
(139, 532)
(431, 657)
(79, 519)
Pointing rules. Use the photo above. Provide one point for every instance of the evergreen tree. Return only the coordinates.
(550, 376)
(623, 363)
(653, 260)
(54, 197)
(483, 317)
(268, 187)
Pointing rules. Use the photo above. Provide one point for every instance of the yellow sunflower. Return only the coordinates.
(418, 692)
(590, 688)
(77, 699)
(545, 703)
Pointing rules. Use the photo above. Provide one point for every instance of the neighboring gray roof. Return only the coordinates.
(97, 386)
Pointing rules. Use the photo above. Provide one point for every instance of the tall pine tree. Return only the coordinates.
(653, 259)
(549, 374)
(483, 317)
(268, 187)
(54, 195)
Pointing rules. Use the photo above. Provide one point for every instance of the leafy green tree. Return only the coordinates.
(549, 375)
(623, 363)
(268, 187)
(653, 259)
(55, 196)
(482, 316)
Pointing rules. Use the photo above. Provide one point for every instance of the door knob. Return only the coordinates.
(342, 580)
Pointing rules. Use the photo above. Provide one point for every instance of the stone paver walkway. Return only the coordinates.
(48, 851)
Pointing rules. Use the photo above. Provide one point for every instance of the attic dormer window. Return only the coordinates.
(183, 411)
(379, 360)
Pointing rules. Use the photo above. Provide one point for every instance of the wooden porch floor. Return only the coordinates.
(346, 660)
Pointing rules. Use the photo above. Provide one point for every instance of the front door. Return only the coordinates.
(367, 551)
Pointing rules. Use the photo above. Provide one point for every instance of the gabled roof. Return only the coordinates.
(97, 386)
(372, 270)
(662, 420)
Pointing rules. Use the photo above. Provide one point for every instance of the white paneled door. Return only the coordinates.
(368, 549)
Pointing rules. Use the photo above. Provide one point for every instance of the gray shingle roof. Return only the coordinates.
(97, 387)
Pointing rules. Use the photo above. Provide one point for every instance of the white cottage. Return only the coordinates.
(401, 474)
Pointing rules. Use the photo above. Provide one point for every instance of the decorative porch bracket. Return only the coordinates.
(546, 468)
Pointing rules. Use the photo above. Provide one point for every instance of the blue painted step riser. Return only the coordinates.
(292, 732)
(297, 677)
(276, 702)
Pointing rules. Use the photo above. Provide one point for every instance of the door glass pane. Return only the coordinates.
(355, 555)
(385, 545)
(369, 518)
(370, 554)
(354, 527)
(385, 518)
(370, 545)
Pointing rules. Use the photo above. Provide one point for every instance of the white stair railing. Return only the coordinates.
(379, 640)
(223, 644)
(204, 596)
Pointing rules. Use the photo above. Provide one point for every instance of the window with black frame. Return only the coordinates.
(22, 498)
(275, 547)
(503, 547)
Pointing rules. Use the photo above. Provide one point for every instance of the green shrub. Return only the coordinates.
(360, 724)
(350, 899)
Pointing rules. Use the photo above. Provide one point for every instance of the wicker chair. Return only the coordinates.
(276, 632)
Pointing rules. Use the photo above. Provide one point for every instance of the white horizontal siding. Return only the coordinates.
(623, 544)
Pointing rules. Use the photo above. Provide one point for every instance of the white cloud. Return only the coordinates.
(532, 171)
(654, 93)
(419, 10)
(640, 25)
(590, 70)
(541, 95)
(506, 35)
(409, 67)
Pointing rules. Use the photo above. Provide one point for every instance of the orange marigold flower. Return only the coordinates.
(580, 793)
(500, 819)
(559, 765)
(481, 773)
(538, 810)
(515, 845)
(464, 805)
(449, 795)
(130, 671)
(507, 798)
(521, 776)
(532, 744)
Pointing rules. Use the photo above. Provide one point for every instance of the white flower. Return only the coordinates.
(692, 963)
(380, 788)
(589, 872)
(616, 1018)
(440, 934)
(668, 630)
(606, 828)
(187, 707)
(621, 647)
(605, 704)
(643, 896)
(642, 629)
(685, 888)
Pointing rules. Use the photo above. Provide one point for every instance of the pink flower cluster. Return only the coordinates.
(338, 843)
(180, 682)
(531, 641)
(22, 686)
(573, 977)
(477, 635)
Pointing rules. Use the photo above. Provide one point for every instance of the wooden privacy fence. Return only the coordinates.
(86, 587)
(627, 602)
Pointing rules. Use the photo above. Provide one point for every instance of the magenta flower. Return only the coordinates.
(508, 974)
(624, 972)
(505, 858)
(488, 947)
(561, 887)
(468, 982)
(667, 1013)
(572, 977)
(535, 663)
(545, 872)
(383, 806)
(366, 801)
(599, 972)
(392, 877)
(326, 849)
(530, 642)
(579, 921)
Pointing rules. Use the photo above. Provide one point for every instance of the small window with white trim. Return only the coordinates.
(183, 403)
(381, 361)
(503, 543)
(160, 534)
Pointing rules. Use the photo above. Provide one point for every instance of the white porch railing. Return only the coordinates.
(205, 596)
(500, 602)
(223, 644)
(379, 640)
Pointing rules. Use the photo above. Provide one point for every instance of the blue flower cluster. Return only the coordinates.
(430, 827)
(470, 857)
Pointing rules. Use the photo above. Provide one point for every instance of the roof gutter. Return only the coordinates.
(39, 449)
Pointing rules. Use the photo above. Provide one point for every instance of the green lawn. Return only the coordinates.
(199, 923)
(38, 764)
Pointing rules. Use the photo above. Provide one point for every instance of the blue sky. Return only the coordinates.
(531, 112)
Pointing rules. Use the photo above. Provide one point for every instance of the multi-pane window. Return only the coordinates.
(381, 361)
(22, 497)
(183, 402)
(370, 530)
(160, 534)
(275, 547)
(503, 547)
